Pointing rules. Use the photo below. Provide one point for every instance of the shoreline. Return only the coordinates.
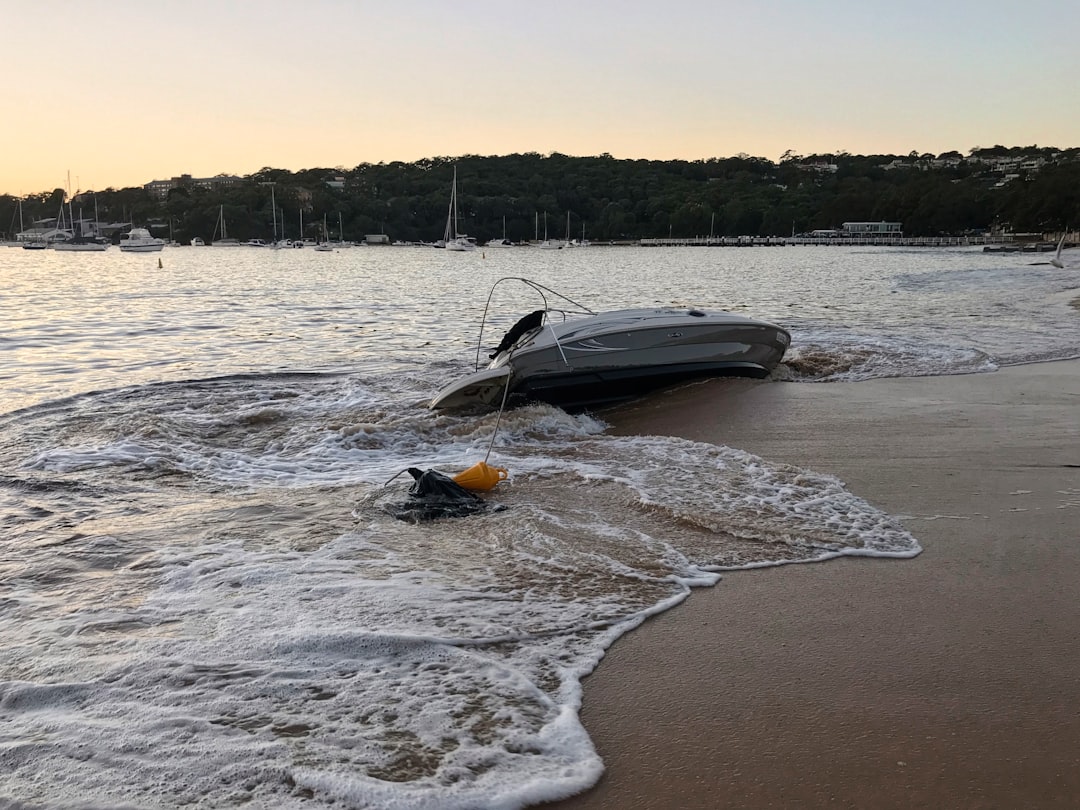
(946, 680)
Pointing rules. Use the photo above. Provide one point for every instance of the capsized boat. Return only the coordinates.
(576, 358)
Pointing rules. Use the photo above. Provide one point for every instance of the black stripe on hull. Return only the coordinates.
(581, 390)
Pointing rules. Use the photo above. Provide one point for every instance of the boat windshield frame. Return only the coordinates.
(544, 292)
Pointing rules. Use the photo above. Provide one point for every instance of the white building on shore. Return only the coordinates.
(872, 229)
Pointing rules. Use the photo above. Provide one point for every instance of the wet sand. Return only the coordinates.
(948, 681)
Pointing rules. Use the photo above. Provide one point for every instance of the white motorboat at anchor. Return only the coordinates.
(575, 358)
(139, 240)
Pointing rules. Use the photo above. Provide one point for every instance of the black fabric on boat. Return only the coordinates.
(534, 320)
(434, 495)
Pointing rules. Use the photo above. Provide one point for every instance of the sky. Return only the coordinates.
(121, 92)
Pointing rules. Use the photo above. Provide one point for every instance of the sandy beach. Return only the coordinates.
(951, 680)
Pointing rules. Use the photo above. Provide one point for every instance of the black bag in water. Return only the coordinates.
(433, 496)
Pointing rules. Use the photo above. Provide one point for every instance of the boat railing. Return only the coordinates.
(580, 309)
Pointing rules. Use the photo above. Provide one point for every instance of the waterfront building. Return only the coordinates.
(159, 189)
(873, 229)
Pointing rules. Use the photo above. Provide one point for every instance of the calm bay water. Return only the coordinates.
(204, 602)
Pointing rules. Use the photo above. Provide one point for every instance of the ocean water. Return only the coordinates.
(204, 601)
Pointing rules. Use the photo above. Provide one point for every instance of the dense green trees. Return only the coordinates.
(1028, 189)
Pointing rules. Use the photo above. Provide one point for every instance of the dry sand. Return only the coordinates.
(948, 681)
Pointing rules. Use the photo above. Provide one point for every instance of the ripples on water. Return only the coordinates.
(75, 322)
(206, 601)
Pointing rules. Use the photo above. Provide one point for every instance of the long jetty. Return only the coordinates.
(785, 241)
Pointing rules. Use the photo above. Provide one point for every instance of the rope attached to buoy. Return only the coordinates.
(482, 477)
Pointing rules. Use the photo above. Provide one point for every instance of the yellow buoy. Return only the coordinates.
(481, 477)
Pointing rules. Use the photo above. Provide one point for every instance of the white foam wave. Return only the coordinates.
(838, 357)
(254, 627)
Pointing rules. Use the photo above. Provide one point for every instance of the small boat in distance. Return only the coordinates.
(324, 246)
(1056, 261)
(341, 243)
(80, 241)
(451, 238)
(500, 243)
(549, 244)
(219, 228)
(575, 358)
(139, 240)
(81, 244)
(568, 242)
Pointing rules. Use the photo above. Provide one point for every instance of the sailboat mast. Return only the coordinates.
(451, 211)
(453, 200)
(273, 210)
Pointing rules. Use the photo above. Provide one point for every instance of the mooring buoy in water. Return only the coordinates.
(481, 477)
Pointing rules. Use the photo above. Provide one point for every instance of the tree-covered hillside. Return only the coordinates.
(1023, 189)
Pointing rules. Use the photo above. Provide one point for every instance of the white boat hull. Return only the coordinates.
(484, 387)
(139, 240)
(461, 243)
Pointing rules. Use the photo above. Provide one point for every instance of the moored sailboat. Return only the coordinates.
(81, 241)
(225, 240)
(325, 245)
(503, 242)
(454, 240)
(549, 244)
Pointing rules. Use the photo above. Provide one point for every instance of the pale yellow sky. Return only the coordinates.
(135, 91)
